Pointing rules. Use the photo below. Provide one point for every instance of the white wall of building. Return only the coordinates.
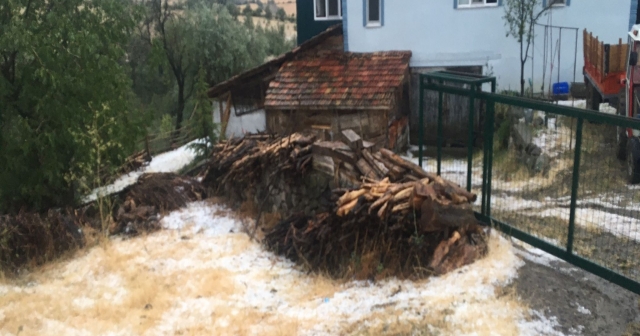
(440, 35)
(239, 125)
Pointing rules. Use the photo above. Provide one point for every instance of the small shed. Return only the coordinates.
(331, 91)
(239, 105)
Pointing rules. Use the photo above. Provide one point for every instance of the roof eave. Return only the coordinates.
(328, 107)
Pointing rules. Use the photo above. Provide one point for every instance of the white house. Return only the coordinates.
(454, 33)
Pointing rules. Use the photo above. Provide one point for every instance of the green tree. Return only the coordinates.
(61, 75)
(224, 46)
(267, 13)
(258, 11)
(276, 40)
(520, 16)
(167, 29)
(246, 11)
(233, 10)
(281, 14)
(202, 121)
(248, 23)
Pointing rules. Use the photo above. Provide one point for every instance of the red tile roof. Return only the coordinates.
(339, 80)
(271, 66)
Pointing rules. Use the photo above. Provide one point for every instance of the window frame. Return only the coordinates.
(373, 24)
(484, 4)
(326, 10)
(554, 3)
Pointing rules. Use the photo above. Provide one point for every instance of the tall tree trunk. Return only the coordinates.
(522, 63)
(179, 111)
(522, 79)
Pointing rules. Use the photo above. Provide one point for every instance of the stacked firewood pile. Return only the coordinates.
(409, 229)
(352, 160)
(383, 215)
(241, 165)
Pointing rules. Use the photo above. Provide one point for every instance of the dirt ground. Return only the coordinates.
(582, 303)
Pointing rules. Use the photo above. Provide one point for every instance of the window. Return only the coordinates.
(476, 3)
(373, 13)
(328, 9)
(556, 3)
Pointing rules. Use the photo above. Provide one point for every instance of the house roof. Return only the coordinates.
(274, 64)
(339, 80)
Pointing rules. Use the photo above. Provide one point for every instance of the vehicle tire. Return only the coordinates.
(633, 160)
(621, 132)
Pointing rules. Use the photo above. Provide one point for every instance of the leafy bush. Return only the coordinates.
(62, 87)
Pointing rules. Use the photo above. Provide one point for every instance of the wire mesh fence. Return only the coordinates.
(532, 171)
(555, 177)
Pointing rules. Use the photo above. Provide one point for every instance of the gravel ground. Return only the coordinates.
(582, 303)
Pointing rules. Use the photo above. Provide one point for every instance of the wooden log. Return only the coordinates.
(451, 189)
(401, 207)
(367, 170)
(443, 249)
(337, 150)
(382, 200)
(435, 216)
(353, 140)
(395, 172)
(379, 167)
(345, 209)
(399, 187)
(348, 197)
(324, 164)
(367, 144)
(405, 193)
(383, 210)
(414, 168)
(425, 191)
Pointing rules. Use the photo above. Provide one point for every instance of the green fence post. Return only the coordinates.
(470, 149)
(421, 123)
(574, 186)
(489, 151)
(485, 155)
(440, 98)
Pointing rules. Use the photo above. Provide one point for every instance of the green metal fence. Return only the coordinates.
(547, 175)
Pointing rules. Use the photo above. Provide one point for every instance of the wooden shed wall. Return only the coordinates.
(369, 124)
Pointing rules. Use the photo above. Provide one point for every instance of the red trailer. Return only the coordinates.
(612, 74)
(604, 70)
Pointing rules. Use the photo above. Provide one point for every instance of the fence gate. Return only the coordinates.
(549, 175)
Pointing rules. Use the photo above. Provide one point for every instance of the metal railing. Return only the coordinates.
(547, 175)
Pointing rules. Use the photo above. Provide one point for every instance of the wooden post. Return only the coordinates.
(585, 44)
(602, 59)
(224, 118)
(620, 50)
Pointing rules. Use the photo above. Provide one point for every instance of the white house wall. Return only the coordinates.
(440, 35)
(239, 125)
